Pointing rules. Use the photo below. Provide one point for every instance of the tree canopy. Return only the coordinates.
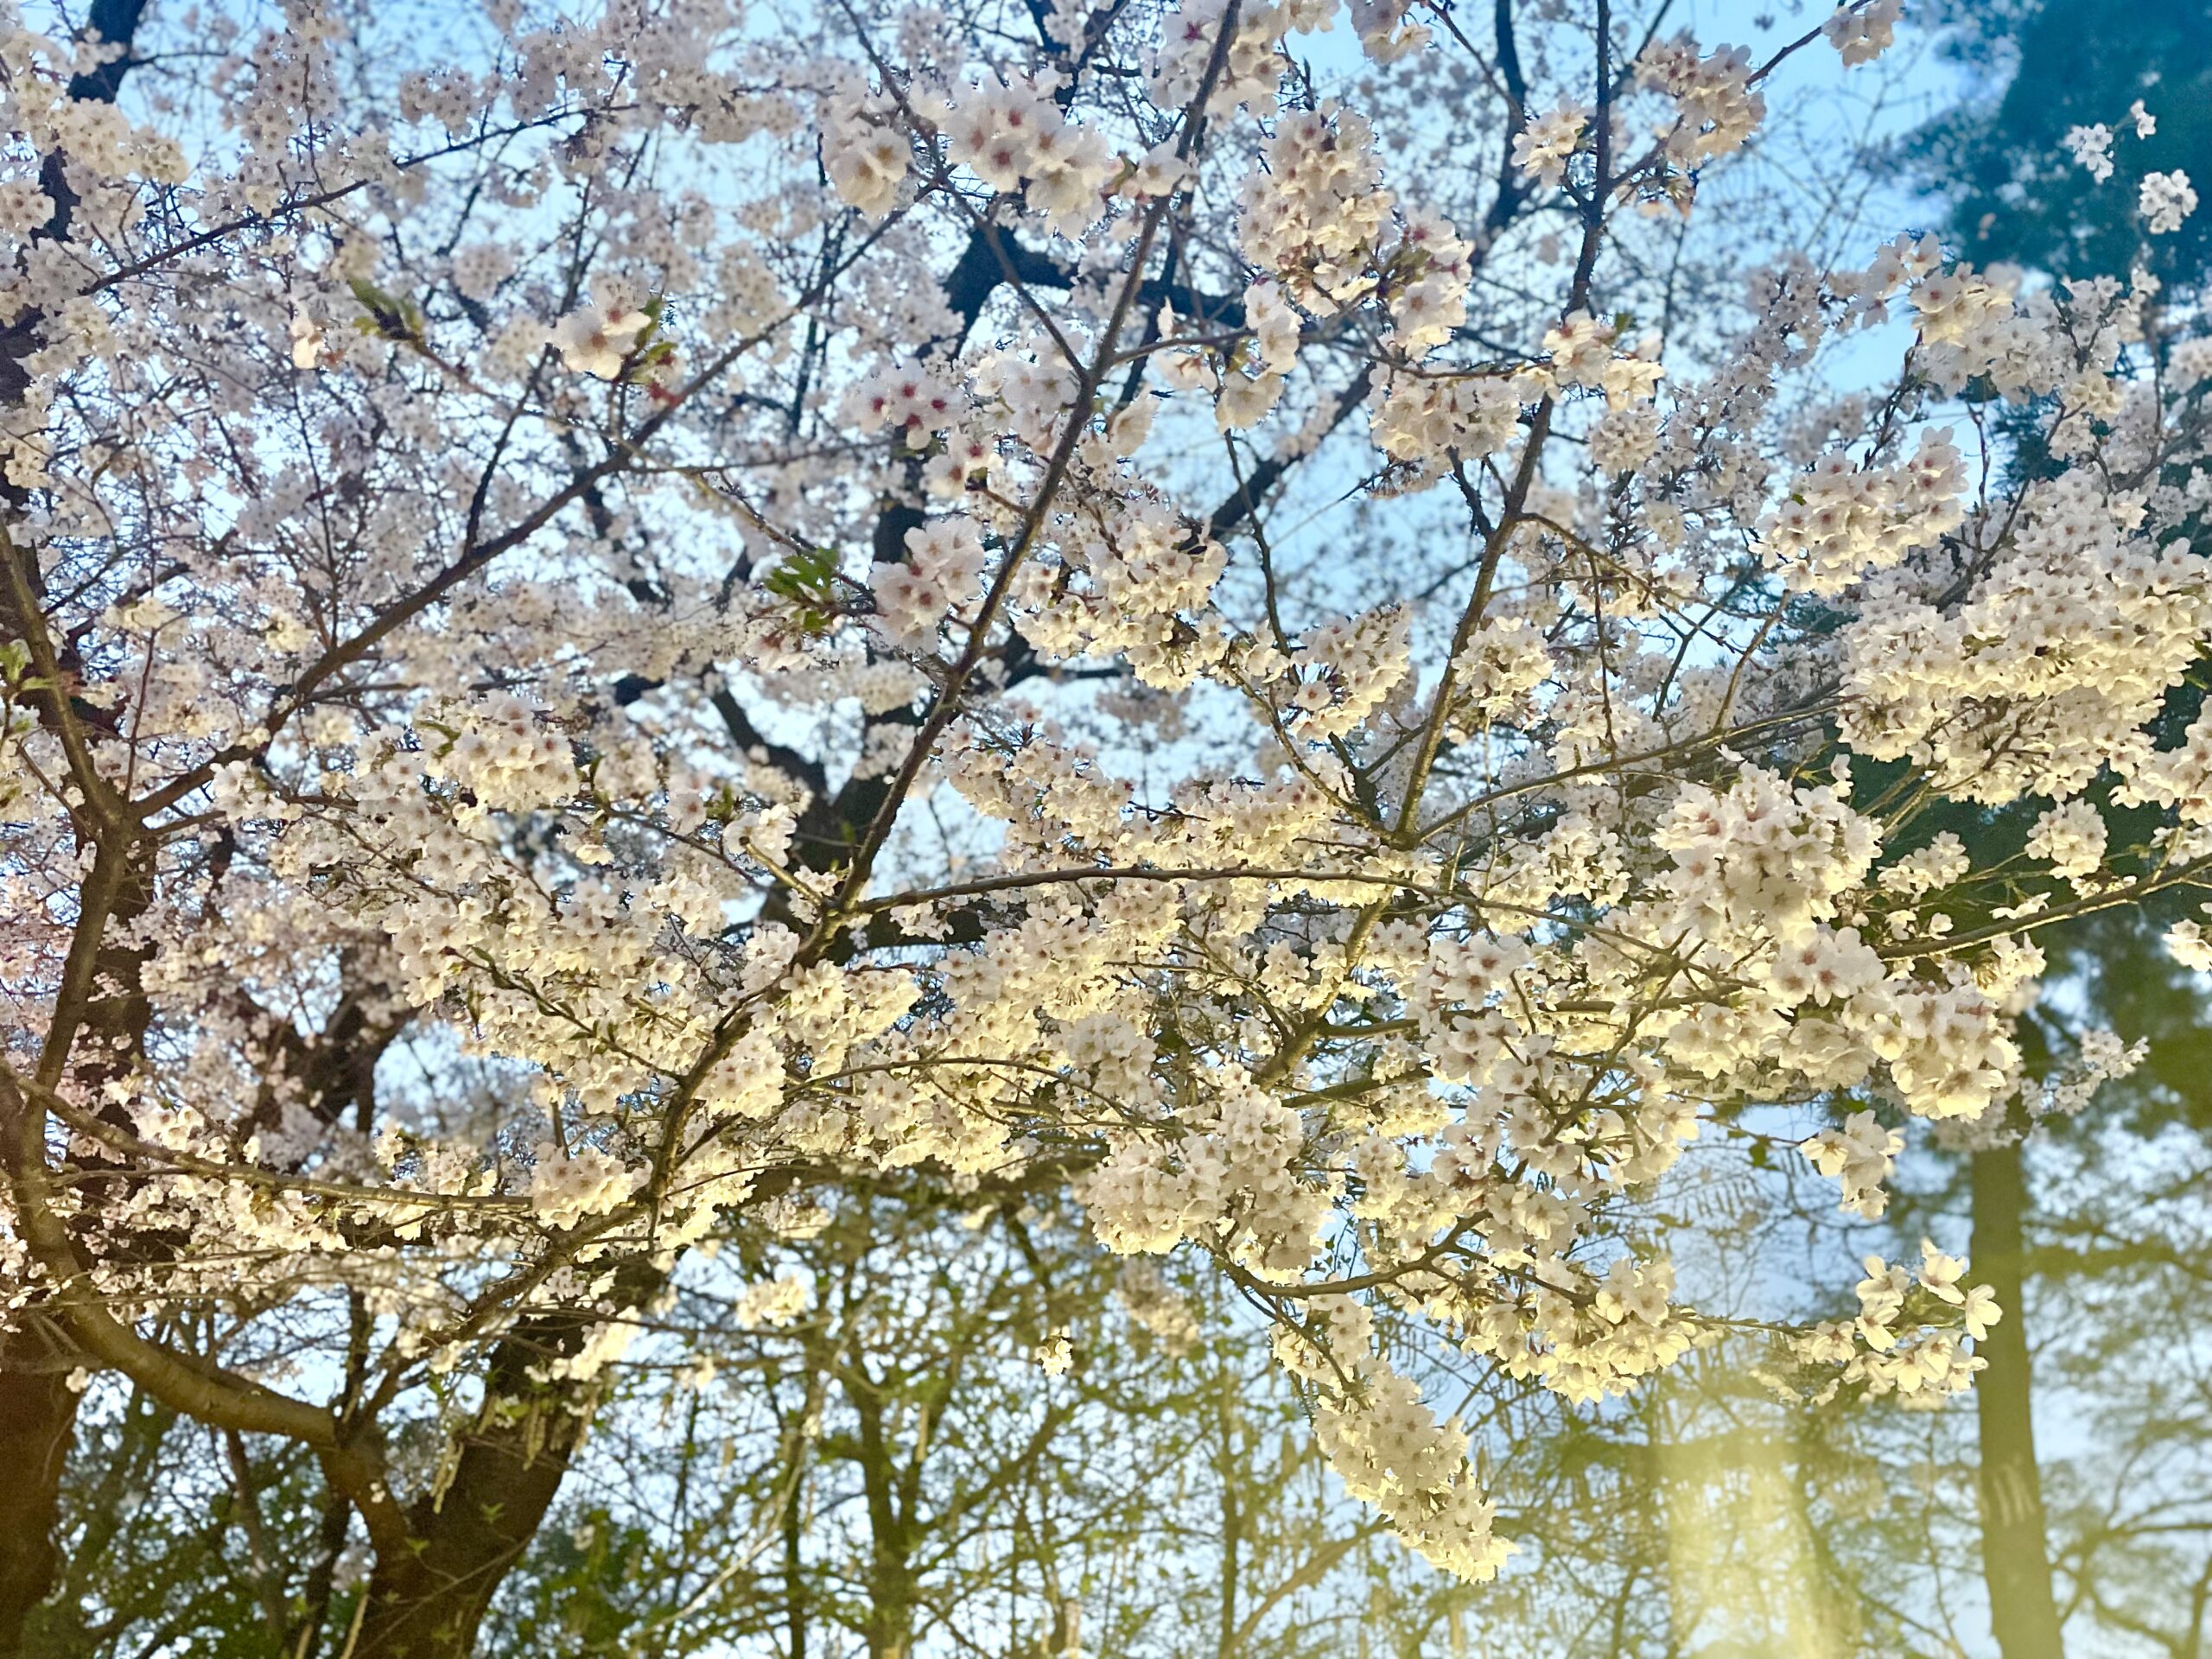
(1019, 828)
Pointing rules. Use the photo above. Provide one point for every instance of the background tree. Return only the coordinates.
(2038, 69)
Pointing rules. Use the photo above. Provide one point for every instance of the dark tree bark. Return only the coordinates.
(2016, 1559)
(429, 1589)
(427, 1597)
(38, 1413)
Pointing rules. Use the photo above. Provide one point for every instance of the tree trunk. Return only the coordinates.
(1225, 1643)
(890, 1626)
(38, 1410)
(794, 1559)
(427, 1597)
(2016, 1562)
(428, 1592)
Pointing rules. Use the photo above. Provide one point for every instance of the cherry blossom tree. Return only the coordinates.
(621, 628)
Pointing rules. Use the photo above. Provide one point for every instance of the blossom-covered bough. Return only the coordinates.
(617, 623)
